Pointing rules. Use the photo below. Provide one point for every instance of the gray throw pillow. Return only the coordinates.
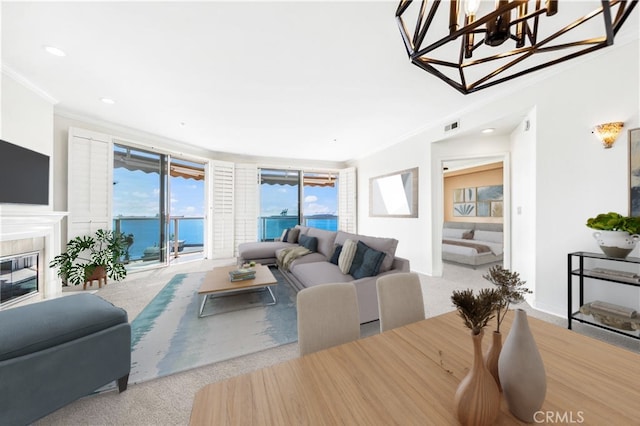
(310, 243)
(366, 262)
(293, 235)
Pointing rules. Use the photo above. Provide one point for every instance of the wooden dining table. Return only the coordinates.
(409, 375)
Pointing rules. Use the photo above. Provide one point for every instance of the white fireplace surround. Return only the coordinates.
(22, 224)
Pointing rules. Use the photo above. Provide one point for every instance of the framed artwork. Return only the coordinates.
(394, 194)
(484, 208)
(490, 193)
(470, 195)
(464, 209)
(487, 201)
(634, 172)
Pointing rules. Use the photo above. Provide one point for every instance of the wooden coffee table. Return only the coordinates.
(217, 284)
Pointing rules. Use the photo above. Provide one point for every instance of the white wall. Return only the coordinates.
(27, 120)
(572, 177)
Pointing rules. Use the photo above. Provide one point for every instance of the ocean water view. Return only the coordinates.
(146, 232)
(271, 227)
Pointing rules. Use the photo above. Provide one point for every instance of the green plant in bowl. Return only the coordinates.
(614, 222)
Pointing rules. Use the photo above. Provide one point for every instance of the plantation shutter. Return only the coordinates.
(246, 203)
(347, 218)
(90, 181)
(222, 236)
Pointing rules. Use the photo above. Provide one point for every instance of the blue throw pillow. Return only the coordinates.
(336, 254)
(310, 243)
(366, 262)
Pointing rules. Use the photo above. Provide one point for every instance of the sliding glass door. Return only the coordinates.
(158, 204)
(186, 209)
(140, 203)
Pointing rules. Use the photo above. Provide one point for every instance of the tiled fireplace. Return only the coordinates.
(29, 239)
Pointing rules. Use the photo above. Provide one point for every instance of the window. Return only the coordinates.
(292, 197)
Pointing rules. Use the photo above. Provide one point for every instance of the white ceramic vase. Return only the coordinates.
(522, 375)
(616, 244)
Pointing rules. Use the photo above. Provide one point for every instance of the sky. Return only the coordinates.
(136, 193)
(317, 200)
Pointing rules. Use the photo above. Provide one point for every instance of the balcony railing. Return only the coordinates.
(186, 235)
(271, 227)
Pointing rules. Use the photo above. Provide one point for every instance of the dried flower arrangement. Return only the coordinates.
(510, 290)
(476, 310)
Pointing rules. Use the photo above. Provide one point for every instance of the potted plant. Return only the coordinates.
(477, 399)
(91, 257)
(616, 234)
(510, 290)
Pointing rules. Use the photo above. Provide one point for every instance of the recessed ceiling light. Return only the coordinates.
(488, 130)
(182, 124)
(54, 51)
(108, 101)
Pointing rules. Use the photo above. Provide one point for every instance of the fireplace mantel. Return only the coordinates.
(25, 223)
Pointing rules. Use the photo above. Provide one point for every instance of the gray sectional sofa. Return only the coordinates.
(320, 266)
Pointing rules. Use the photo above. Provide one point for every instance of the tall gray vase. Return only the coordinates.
(522, 375)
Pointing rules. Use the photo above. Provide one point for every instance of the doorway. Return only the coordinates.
(474, 193)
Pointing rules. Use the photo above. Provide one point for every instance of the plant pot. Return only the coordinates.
(616, 244)
(99, 274)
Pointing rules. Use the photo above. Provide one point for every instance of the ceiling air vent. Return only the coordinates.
(452, 126)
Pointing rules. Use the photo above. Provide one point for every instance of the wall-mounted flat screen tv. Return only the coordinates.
(24, 175)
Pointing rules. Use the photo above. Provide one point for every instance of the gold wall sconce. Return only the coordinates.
(608, 132)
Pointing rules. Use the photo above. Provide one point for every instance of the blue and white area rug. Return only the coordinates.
(168, 337)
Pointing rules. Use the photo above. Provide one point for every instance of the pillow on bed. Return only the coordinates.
(453, 232)
(489, 236)
(468, 235)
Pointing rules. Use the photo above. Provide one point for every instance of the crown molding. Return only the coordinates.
(19, 78)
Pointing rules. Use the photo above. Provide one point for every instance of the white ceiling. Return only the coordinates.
(323, 80)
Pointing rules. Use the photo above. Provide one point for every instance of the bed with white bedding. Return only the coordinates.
(472, 243)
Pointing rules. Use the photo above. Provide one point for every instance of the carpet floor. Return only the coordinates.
(168, 336)
(168, 400)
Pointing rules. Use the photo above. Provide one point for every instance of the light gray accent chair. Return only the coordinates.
(400, 300)
(56, 351)
(327, 316)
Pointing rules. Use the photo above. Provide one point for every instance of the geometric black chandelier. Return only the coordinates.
(473, 44)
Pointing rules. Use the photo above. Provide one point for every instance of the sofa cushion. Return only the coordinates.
(303, 229)
(366, 262)
(336, 254)
(326, 240)
(38, 326)
(387, 245)
(261, 249)
(347, 254)
(317, 273)
(310, 243)
(292, 235)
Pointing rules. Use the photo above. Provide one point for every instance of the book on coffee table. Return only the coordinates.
(242, 274)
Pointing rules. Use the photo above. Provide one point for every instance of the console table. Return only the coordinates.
(581, 272)
(409, 375)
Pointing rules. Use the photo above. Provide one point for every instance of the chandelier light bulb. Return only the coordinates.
(471, 7)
